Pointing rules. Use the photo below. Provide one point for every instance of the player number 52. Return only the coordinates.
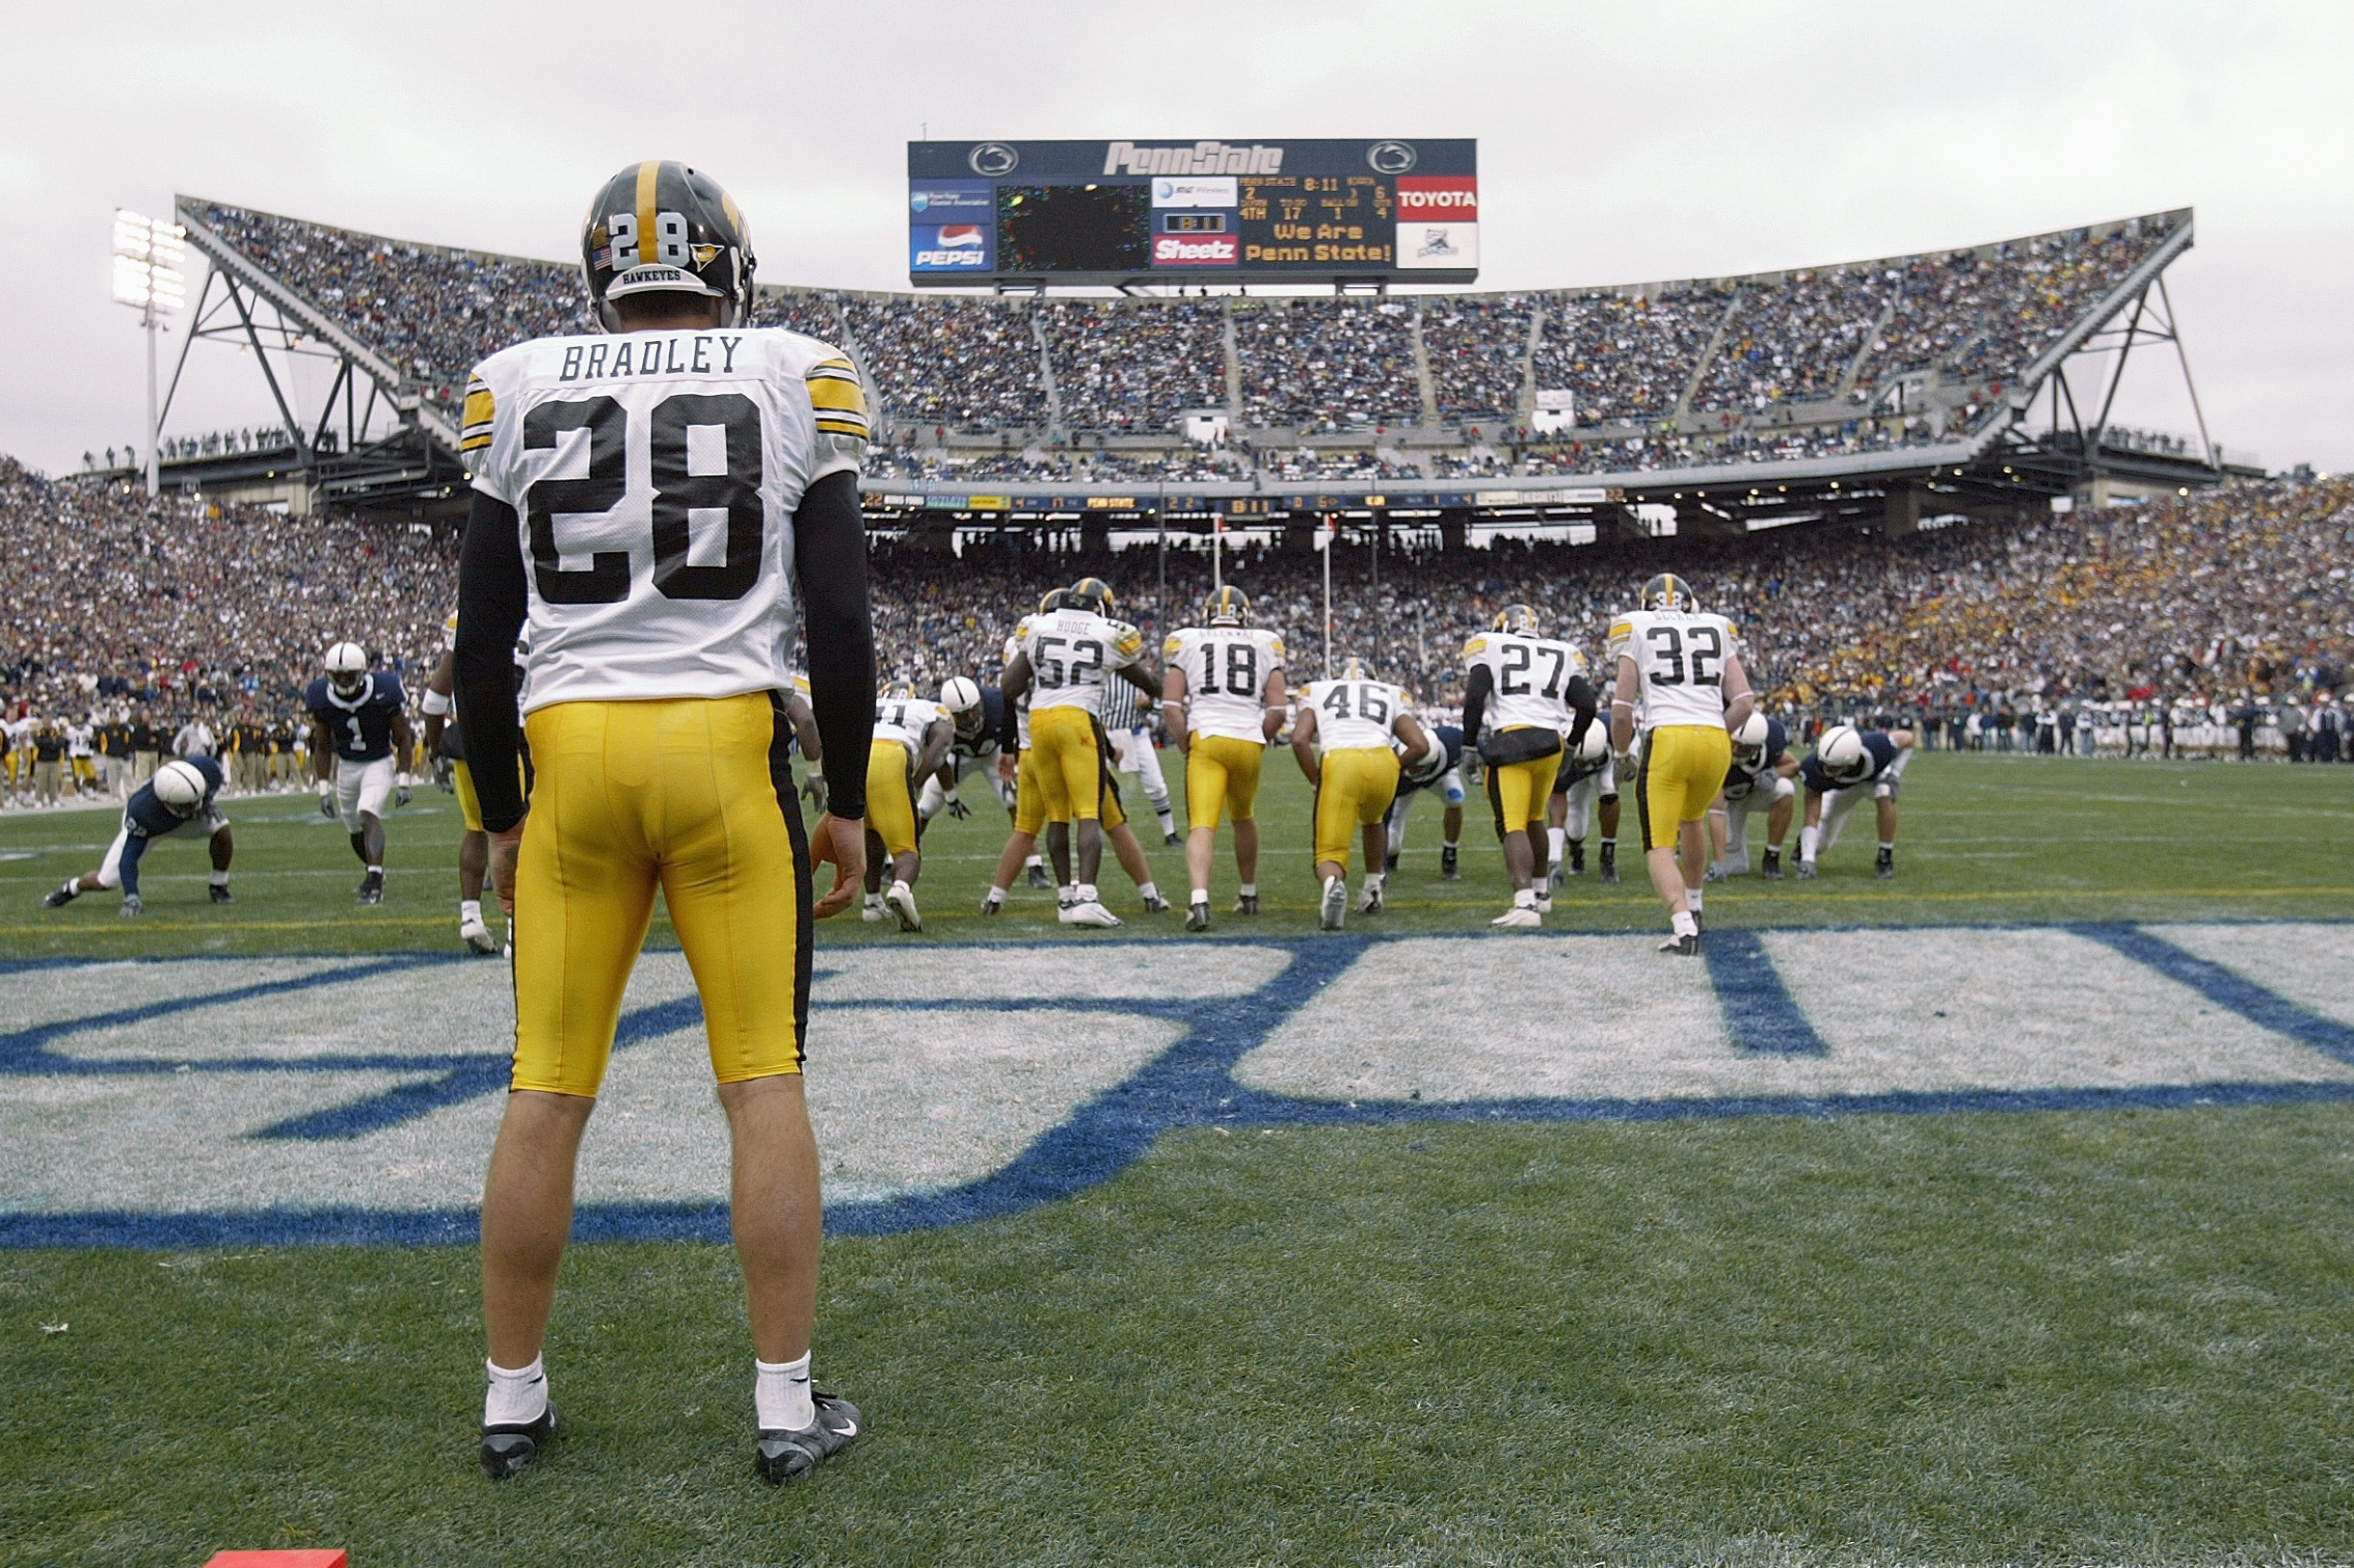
(677, 492)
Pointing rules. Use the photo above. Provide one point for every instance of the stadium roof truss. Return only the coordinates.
(385, 445)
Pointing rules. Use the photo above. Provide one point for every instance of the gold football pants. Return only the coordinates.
(1359, 782)
(1683, 767)
(1222, 778)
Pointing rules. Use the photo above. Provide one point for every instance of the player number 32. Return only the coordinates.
(734, 419)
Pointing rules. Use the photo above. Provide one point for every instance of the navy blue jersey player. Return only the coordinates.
(1762, 778)
(177, 803)
(1848, 765)
(1447, 780)
(358, 739)
(977, 713)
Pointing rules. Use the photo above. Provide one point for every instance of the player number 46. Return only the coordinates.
(677, 492)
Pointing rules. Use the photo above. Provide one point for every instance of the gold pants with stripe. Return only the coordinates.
(694, 795)
(1683, 767)
(1221, 777)
(891, 811)
(1359, 784)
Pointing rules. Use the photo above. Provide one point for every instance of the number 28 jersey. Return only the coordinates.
(654, 476)
(1680, 664)
(1532, 680)
(1225, 677)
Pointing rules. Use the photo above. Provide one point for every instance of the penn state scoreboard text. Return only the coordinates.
(1121, 212)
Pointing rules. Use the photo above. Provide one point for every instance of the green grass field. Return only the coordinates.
(2056, 1336)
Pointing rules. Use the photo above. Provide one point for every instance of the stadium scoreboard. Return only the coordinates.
(1210, 211)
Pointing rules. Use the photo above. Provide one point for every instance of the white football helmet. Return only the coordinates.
(958, 694)
(179, 787)
(1595, 744)
(347, 668)
(1749, 742)
(1841, 751)
(1428, 763)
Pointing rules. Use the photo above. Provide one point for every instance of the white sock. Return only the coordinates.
(1808, 838)
(220, 879)
(1685, 925)
(515, 1399)
(1147, 890)
(469, 912)
(1555, 838)
(1373, 880)
(997, 895)
(1450, 843)
(1201, 896)
(1692, 900)
(1085, 892)
(898, 885)
(1248, 889)
(1034, 860)
(1886, 848)
(1168, 821)
(1525, 898)
(780, 1391)
(1331, 881)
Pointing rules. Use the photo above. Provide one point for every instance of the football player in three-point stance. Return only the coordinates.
(649, 498)
(177, 803)
(1760, 780)
(977, 711)
(1587, 787)
(1447, 778)
(1341, 739)
(911, 736)
(1848, 765)
(1535, 690)
(359, 732)
(1066, 657)
(1681, 666)
(1222, 699)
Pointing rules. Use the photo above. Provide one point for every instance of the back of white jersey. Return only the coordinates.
(1353, 714)
(1225, 677)
(655, 477)
(1679, 663)
(1532, 680)
(906, 719)
(1073, 654)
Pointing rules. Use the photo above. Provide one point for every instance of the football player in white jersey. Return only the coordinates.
(1533, 690)
(1064, 660)
(911, 737)
(1681, 665)
(1222, 699)
(649, 498)
(1343, 740)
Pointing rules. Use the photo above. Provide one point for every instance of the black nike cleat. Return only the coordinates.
(222, 895)
(1036, 876)
(1682, 946)
(1577, 860)
(59, 897)
(1448, 869)
(783, 1456)
(1884, 868)
(510, 1447)
(1773, 865)
(1610, 865)
(1156, 905)
(1197, 916)
(1246, 903)
(1172, 838)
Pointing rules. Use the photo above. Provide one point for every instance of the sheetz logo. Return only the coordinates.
(1196, 251)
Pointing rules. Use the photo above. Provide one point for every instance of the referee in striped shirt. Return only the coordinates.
(1133, 751)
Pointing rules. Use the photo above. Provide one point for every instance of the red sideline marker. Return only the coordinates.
(309, 1558)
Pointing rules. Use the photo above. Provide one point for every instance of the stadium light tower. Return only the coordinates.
(148, 255)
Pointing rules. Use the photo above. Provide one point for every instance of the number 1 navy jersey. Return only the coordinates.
(144, 816)
(1353, 714)
(654, 476)
(1741, 777)
(1532, 680)
(1879, 750)
(1679, 661)
(360, 728)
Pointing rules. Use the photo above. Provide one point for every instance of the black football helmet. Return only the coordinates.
(1666, 592)
(1090, 593)
(660, 226)
(1226, 607)
(1517, 618)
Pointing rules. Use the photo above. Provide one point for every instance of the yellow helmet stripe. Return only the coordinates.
(649, 181)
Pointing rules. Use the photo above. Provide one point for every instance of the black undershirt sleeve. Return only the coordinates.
(830, 556)
(1582, 698)
(1475, 702)
(493, 600)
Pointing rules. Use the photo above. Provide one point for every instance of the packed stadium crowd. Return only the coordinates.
(2234, 600)
(1641, 365)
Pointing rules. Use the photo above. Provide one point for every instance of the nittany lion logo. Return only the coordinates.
(1390, 157)
(992, 158)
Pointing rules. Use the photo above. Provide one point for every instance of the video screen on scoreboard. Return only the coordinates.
(1113, 212)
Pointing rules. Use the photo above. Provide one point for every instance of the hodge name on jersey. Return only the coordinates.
(655, 478)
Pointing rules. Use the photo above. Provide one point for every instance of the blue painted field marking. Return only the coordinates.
(2265, 1009)
(1759, 1012)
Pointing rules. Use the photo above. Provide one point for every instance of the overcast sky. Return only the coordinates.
(1617, 143)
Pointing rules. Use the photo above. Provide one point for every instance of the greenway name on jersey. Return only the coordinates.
(655, 478)
(1225, 672)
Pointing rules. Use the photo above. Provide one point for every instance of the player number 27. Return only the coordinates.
(677, 492)
(1667, 643)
